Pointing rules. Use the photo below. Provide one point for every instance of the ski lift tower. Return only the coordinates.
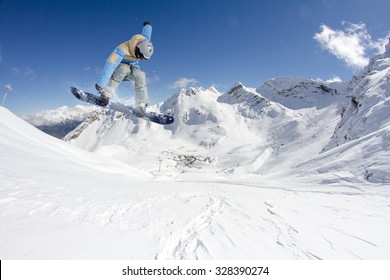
(7, 89)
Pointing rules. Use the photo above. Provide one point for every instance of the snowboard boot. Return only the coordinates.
(104, 99)
(140, 110)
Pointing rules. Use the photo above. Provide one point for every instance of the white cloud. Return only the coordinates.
(27, 72)
(334, 79)
(183, 83)
(353, 45)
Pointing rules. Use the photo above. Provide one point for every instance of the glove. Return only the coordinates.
(147, 23)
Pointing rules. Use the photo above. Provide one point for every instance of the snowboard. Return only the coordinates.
(119, 107)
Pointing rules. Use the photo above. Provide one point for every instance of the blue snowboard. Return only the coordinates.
(119, 107)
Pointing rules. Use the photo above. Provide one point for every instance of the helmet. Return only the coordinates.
(144, 49)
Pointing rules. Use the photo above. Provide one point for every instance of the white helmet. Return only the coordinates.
(144, 49)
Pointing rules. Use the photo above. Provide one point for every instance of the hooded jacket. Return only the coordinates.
(124, 53)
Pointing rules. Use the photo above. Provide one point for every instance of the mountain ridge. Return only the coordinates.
(298, 117)
(212, 124)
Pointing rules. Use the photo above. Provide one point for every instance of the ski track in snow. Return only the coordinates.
(219, 220)
(206, 220)
(184, 242)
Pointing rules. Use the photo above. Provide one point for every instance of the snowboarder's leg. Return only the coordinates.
(116, 78)
(141, 90)
(110, 66)
(102, 85)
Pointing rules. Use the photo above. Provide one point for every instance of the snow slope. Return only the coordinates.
(294, 169)
(60, 202)
(59, 122)
(361, 139)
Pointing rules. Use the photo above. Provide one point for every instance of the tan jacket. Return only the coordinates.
(129, 46)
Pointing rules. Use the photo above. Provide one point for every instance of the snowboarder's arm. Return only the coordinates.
(147, 30)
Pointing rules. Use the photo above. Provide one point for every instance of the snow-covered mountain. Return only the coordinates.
(294, 169)
(59, 122)
(55, 196)
(243, 131)
(367, 108)
(364, 127)
(273, 129)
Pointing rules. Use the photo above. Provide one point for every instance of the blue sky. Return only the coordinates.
(48, 46)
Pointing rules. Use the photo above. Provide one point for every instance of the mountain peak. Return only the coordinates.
(298, 93)
(366, 110)
(196, 90)
(241, 94)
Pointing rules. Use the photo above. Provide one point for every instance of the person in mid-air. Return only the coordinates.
(122, 64)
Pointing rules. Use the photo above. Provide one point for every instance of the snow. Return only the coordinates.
(59, 115)
(294, 169)
(59, 122)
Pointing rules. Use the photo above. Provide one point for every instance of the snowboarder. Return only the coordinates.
(122, 64)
